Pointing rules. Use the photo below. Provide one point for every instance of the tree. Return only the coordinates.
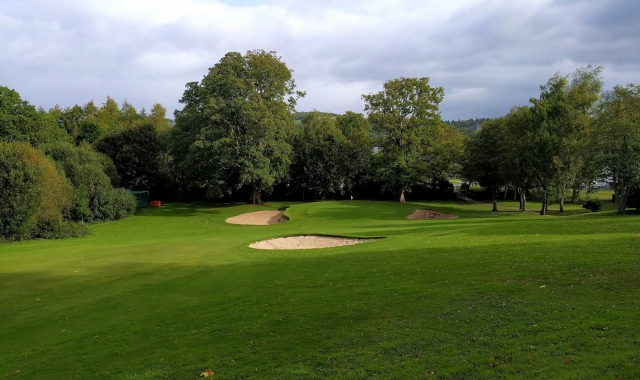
(237, 123)
(444, 157)
(20, 121)
(560, 117)
(486, 156)
(357, 148)
(135, 152)
(318, 167)
(617, 128)
(34, 196)
(129, 113)
(403, 116)
(158, 117)
(519, 152)
(109, 115)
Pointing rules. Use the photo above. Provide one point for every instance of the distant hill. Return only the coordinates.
(468, 127)
(300, 115)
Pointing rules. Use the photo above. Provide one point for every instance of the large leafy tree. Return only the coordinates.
(405, 118)
(561, 116)
(237, 123)
(618, 134)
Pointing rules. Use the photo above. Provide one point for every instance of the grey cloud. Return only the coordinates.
(488, 56)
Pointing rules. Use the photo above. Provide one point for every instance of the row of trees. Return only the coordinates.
(237, 136)
(566, 139)
(236, 131)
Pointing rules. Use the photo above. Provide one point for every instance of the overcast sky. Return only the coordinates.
(488, 55)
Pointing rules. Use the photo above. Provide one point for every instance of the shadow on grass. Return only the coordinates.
(324, 315)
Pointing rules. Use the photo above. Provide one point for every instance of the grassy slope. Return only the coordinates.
(176, 290)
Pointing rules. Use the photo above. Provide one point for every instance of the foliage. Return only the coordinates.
(94, 197)
(617, 131)
(34, 196)
(593, 204)
(468, 127)
(135, 153)
(486, 156)
(560, 120)
(236, 125)
(405, 119)
(20, 121)
(89, 131)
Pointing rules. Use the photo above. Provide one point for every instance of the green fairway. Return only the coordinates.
(176, 290)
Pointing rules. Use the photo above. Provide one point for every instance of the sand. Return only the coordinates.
(307, 242)
(260, 218)
(430, 214)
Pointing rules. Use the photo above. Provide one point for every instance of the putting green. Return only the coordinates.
(176, 290)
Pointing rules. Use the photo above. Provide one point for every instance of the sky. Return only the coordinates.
(488, 55)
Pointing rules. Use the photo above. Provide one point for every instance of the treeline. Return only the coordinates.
(468, 127)
(236, 139)
(570, 136)
(63, 168)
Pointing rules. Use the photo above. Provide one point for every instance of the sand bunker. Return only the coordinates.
(260, 218)
(307, 242)
(430, 214)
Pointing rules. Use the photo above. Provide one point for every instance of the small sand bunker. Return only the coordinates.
(430, 214)
(260, 218)
(307, 242)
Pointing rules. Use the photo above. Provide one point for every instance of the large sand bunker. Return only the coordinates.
(430, 214)
(307, 242)
(260, 218)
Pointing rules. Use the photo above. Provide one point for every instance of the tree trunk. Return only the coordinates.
(401, 195)
(621, 200)
(506, 189)
(256, 197)
(562, 204)
(515, 193)
(495, 200)
(543, 211)
(575, 193)
(523, 200)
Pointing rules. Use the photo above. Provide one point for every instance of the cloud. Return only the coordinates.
(488, 55)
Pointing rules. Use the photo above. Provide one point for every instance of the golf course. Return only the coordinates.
(176, 290)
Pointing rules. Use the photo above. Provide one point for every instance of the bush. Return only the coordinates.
(33, 194)
(92, 175)
(593, 205)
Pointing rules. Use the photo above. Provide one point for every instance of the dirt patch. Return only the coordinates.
(430, 214)
(260, 218)
(307, 242)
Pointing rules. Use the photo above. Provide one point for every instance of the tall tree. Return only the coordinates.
(486, 157)
(237, 123)
(519, 152)
(404, 116)
(618, 133)
(158, 117)
(109, 115)
(561, 115)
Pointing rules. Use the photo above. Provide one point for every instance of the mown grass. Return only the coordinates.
(175, 290)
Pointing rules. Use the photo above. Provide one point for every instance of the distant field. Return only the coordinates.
(176, 290)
